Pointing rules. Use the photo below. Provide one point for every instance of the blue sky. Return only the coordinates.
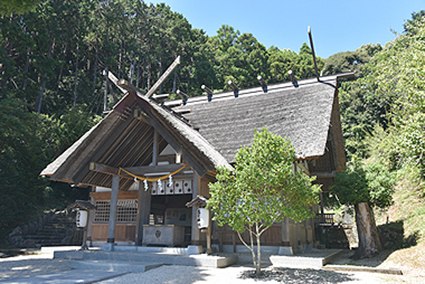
(336, 25)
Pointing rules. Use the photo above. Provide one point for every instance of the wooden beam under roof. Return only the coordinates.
(135, 170)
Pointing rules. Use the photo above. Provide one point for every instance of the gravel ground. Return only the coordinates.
(26, 266)
(30, 265)
(243, 274)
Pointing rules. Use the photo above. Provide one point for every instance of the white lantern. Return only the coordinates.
(203, 218)
(81, 218)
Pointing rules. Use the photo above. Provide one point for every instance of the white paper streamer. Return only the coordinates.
(145, 182)
(170, 181)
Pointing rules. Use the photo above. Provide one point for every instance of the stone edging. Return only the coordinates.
(351, 268)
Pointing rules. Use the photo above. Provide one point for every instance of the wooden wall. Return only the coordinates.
(123, 232)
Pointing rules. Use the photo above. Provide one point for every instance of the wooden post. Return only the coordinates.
(155, 148)
(91, 220)
(209, 231)
(195, 239)
(113, 209)
(143, 211)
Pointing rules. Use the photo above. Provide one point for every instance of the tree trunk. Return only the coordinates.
(43, 85)
(258, 235)
(95, 73)
(76, 76)
(105, 96)
(369, 243)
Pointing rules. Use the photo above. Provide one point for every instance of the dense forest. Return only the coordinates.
(53, 88)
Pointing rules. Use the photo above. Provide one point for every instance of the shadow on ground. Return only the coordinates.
(13, 268)
(291, 275)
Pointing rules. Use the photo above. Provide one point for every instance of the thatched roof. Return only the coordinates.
(307, 115)
(301, 114)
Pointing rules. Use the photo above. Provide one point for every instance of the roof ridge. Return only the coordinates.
(259, 90)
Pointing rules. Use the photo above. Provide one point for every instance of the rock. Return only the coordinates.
(16, 231)
(391, 235)
(66, 240)
(24, 229)
(29, 243)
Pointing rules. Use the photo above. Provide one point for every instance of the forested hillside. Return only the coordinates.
(52, 87)
(383, 121)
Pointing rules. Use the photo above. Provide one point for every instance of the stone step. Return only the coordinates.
(315, 259)
(50, 232)
(113, 266)
(47, 242)
(38, 245)
(166, 259)
(44, 237)
(59, 225)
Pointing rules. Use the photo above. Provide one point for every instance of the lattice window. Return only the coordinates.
(126, 211)
(102, 211)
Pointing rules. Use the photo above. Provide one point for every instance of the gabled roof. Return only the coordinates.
(302, 114)
(307, 115)
(123, 139)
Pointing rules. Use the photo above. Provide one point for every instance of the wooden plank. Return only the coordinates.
(135, 170)
(114, 80)
(103, 168)
(122, 195)
(122, 83)
(183, 111)
(163, 77)
(161, 97)
(124, 232)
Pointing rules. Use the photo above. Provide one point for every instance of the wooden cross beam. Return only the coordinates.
(163, 77)
(114, 80)
(135, 170)
(124, 84)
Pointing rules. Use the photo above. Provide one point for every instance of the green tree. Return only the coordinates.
(301, 64)
(8, 7)
(262, 189)
(351, 61)
(238, 57)
(364, 188)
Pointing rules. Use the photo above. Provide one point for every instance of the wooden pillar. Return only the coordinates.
(209, 234)
(155, 148)
(90, 223)
(195, 239)
(143, 211)
(113, 209)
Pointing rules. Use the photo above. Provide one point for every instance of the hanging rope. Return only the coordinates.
(148, 179)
